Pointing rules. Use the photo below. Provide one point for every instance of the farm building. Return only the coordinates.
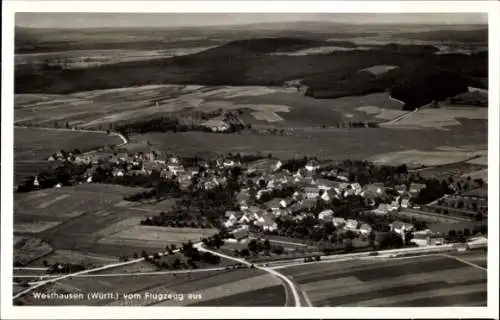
(338, 222)
(365, 229)
(415, 188)
(327, 195)
(325, 184)
(274, 204)
(312, 165)
(216, 125)
(240, 234)
(325, 215)
(311, 192)
(427, 238)
(351, 225)
(399, 227)
(400, 189)
(382, 209)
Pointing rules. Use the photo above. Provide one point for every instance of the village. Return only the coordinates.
(298, 200)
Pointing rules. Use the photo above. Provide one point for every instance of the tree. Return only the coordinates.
(245, 252)
(267, 245)
(390, 240)
(408, 237)
(252, 246)
(350, 235)
(277, 249)
(177, 263)
(467, 232)
(371, 239)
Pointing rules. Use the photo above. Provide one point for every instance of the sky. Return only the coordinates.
(105, 20)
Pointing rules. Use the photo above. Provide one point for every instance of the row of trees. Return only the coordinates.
(66, 174)
(353, 124)
(168, 124)
(204, 208)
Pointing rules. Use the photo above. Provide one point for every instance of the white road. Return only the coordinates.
(466, 262)
(69, 275)
(108, 275)
(79, 273)
(275, 273)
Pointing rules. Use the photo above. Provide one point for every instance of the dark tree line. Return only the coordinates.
(167, 124)
(66, 174)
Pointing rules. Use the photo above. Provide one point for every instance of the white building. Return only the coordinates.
(325, 215)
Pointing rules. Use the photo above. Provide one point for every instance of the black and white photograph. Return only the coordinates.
(250, 159)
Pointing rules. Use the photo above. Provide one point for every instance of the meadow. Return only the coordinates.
(152, 236)
(73, 219)
(39, 144)
(330, 143)
(423, 281)
(212, 288)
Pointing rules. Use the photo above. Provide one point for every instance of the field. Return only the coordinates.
(480, 174)
(266, 105)
(152, 236)
(29, 249)
(74, 219)
(441, 118)
(415, 158)
(93, 58)
(403, 282)
(335, 144)
(60, 256)
(379, 69)
(212, 288)
(39, 144)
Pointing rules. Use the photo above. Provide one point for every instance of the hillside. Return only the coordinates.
(479, 35)
(249, 62)
(417, 82)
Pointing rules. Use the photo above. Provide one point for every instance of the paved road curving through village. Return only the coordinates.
(288, 282)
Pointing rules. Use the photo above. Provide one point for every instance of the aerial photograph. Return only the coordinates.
(250, 160)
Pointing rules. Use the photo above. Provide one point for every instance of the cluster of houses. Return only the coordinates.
(168, 166)
(262, 179)
(311, 185)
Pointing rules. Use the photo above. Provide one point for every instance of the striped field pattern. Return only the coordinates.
(426, 281)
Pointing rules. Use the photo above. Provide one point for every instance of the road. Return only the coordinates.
(291, 285)
(69, 275)
(124, 140)
(107, 275)
(79, 273)
(272, 270)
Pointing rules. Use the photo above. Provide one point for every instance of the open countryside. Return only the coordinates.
(312, 164)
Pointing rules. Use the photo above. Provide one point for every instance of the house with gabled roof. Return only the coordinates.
(365, 229)
(399, 226)
(400, 189)
(326, 215)
(274, 204)
(325, 184)
(382, 209)
(351, 225)
(338, 222)
(311, 192)
(415, 188)
(240, 233)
